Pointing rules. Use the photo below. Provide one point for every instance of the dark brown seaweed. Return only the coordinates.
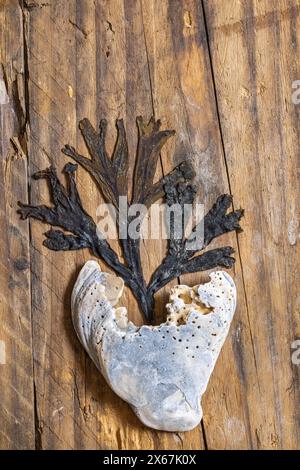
(111, 175)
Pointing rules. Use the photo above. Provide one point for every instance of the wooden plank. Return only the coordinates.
(255, 50)
(58, 359)
(74, 55)
(85, 59)
(16, 373)
(184, 97)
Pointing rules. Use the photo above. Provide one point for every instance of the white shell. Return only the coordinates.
(161, 371)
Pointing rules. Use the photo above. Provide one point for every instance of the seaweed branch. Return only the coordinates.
(78, 229)
(180, 257)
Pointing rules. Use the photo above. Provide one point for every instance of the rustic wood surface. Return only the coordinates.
(220, 73)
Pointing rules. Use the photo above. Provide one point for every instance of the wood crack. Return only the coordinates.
(23, 5)
(229, 186)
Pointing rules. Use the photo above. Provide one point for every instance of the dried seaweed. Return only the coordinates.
(111, 175)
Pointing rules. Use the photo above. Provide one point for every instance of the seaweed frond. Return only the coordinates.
(73, 228)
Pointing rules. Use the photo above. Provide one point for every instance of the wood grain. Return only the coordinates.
(16, 373)
(103, 57)
(188, 105)
(220, 74)
(255, 49)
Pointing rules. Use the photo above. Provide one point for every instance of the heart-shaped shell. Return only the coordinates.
(161, 371)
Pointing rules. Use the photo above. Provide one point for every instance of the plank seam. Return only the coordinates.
(26, 127)
(230, 189)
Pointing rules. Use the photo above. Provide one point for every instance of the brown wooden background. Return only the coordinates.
(220, 73)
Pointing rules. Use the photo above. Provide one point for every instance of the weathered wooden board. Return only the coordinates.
(184, 97)
(255, 54)
(84, 60)
(219, 73)
(16, 373)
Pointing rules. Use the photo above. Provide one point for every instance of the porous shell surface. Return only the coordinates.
(161, 371)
